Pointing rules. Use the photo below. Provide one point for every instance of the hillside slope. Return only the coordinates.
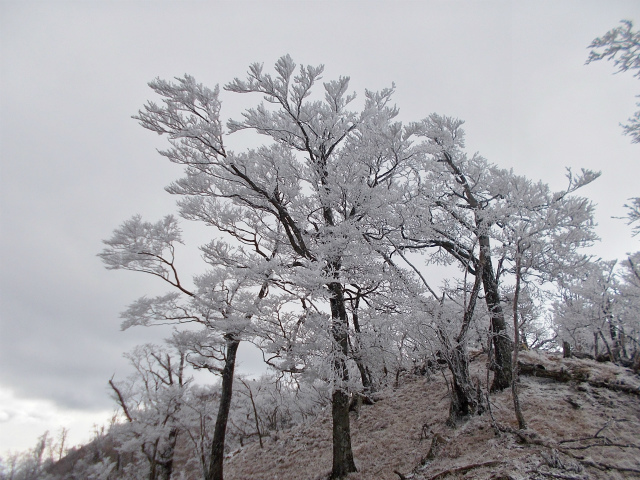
(586, 426)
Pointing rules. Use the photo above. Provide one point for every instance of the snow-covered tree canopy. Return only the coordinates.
(317, 234)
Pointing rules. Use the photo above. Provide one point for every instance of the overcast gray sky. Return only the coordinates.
(74, 165)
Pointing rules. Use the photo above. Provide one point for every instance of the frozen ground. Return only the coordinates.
(576, 430)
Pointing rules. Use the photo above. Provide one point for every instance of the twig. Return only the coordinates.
(605, 467)
(596, 436)
(557, 475)
(495, 426)
(582, 439)
(619, 445)
(606, 425)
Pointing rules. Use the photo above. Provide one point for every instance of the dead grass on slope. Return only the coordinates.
(385, 436)
(575, 431)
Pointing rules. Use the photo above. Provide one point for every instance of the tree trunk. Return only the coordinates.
(365, 374)
(466, 398)
(214, 471)
(614, 333)
(166, 458)
(522, 424)
(343, 463)
(501, 343)
(153, 475)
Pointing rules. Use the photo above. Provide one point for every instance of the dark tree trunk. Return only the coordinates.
(165, 465)
(498, 327)
(466, 398)
(522, 424)
(365, 374)
(153, 474)
(214, 471)
(343, 463)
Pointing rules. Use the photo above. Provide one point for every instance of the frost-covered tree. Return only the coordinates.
(433, 324)
(460, 304)
(151, 400)
(471, 212)
(324, 176)
(220, 306)
(622, 46)
(270, 404)
(29, 465)
(455, 218)
(629, 306)
(633, 214)
(541, 235)
(585, 311)
(597, 310)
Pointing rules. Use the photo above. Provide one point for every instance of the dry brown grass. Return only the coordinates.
(569, 425)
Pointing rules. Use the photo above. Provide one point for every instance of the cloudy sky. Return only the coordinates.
(74, 164)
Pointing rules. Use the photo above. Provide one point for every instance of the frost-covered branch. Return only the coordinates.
(145, 247)
(622, 46)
